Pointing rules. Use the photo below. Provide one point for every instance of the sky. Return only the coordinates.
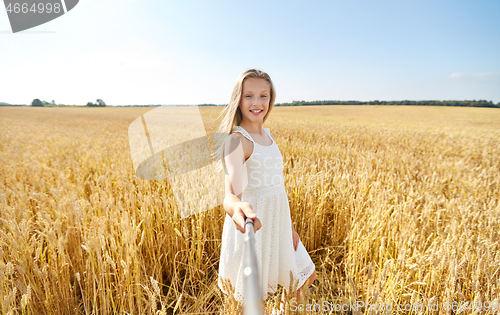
(142, 52)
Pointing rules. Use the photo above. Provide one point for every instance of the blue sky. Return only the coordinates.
(191, 52)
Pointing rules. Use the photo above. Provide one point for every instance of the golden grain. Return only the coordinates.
(395, 204)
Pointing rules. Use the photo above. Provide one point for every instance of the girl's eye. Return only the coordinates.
(263, 95)
(248, 96)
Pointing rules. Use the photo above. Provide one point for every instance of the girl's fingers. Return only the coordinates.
(256, 224)
(248, 211)
(245, 211)
(239, 221)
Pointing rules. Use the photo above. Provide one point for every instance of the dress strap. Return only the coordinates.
(268, 133)
(243, 132)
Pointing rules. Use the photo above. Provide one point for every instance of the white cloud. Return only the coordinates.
(486, 74)
(456, 75)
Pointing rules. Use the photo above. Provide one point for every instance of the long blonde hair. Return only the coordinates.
(232, 115)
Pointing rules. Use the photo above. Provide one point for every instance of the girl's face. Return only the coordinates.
(255, 99)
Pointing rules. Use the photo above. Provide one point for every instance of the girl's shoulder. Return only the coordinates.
(245, 142)
(241, 133)
(238, 135)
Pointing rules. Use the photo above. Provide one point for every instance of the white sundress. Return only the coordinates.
(276, 257)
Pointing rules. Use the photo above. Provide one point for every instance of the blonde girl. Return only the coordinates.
(254, 188)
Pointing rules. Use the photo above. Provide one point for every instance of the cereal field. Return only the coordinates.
(395, 204)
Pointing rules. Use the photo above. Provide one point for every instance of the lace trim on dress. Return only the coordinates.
(302, 277)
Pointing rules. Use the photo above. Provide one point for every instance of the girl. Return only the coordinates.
(251, 149)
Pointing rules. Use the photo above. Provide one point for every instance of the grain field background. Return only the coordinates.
(395, 204)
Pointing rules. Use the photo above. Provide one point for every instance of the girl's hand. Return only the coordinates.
(243, 210)
(296, 239)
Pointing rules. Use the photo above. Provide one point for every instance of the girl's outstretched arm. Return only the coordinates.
(234, 158)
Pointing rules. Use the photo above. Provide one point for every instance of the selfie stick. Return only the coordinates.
(251, 281)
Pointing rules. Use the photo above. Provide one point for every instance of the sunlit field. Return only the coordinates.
(395, 204)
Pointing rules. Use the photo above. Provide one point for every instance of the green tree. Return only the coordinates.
(36, 102)
(100, 103)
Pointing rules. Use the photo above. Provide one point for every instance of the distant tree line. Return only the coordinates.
(466, 103)
(39, 103)
(157, 105)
